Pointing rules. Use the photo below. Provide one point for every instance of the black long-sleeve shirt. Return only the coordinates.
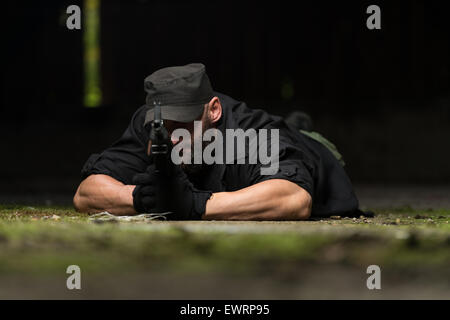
(302, 160)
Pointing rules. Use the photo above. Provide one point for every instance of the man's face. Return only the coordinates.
(188, 146)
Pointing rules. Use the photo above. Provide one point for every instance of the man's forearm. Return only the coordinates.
(102, 193)
(269, 200)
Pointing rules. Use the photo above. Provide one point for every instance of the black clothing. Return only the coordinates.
(182, 92)
(302, 160)
(171, 191)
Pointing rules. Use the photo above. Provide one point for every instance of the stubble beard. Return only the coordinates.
(194, 169)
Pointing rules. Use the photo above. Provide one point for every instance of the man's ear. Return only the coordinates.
(214, 110)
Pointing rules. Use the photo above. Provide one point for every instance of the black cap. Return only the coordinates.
(182, 92)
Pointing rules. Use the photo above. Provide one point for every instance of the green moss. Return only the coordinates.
(33, 240)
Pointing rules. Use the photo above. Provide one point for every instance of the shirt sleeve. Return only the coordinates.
(292, 165)
(126, 157)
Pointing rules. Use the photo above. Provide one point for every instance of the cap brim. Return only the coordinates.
(177, 113)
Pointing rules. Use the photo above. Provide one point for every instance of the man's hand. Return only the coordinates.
(169, 191)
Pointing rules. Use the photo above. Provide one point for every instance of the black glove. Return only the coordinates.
(169, 191)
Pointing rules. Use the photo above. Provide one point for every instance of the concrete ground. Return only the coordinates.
(409, 238)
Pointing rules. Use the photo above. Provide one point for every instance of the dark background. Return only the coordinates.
(383, 96)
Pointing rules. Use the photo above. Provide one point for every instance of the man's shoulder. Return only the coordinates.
(138, 117)
(238, 115)
(227, 101)
(141, 111)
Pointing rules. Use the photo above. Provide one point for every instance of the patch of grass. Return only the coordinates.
(39, 240)
(33, 213)
(45, 246)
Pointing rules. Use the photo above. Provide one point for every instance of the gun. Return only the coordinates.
(160, 148)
